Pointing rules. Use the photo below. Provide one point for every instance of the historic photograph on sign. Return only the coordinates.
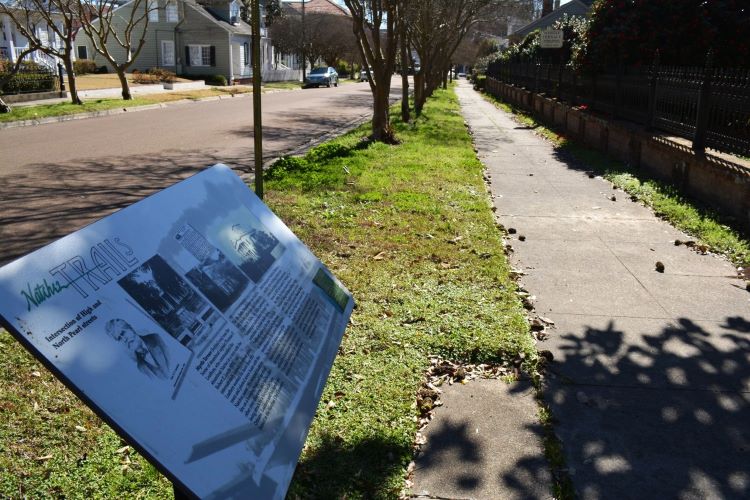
(214, 276)
(170, 300)
(255, 246)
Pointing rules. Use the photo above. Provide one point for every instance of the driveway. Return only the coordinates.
(56, 178)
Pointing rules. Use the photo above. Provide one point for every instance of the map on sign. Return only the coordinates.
(551, 39)
(196, 324)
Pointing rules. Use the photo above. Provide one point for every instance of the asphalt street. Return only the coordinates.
(56, 178)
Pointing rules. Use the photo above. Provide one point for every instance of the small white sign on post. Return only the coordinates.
(551, 39)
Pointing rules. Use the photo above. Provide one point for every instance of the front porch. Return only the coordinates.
(242, 72)
(13, 44)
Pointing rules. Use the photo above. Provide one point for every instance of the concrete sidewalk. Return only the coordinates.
(651, 374)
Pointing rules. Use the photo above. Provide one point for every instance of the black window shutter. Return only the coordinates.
(187, 55)
(213, 55)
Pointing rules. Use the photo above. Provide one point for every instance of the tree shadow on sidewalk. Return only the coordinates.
(662, 416)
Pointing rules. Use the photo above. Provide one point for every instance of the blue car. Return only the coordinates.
(322, 76)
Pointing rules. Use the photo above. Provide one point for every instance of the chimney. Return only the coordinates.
(546, 7)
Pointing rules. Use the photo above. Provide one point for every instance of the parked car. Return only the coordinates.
(322, 76)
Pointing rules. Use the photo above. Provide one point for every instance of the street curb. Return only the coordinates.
(115, 111)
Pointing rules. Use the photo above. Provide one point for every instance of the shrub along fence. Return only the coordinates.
(710, 106)
(29, 78)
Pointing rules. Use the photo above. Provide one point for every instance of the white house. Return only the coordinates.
(13, 43)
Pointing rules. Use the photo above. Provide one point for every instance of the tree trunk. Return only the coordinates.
(124, 83)
(404, 81)
(381, 129)
(419, 92)
(72, 88)
(445, 80)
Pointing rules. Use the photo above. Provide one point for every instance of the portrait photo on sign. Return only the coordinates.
(170, 300)
(146, 354)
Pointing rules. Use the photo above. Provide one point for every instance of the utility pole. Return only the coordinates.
(257, 123)
(304, 56)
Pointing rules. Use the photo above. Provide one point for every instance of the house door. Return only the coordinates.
(167, 53)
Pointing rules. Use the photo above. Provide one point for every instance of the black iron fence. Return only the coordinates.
(29, 78)
(709, 106)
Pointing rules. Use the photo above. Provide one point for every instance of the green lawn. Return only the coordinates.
(409, 230)
(714, 230)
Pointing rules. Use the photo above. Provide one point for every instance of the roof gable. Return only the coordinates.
(317, 7)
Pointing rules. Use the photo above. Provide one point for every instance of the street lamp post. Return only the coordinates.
(257, 123)
(304, 56)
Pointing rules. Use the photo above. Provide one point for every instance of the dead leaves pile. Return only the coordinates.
(696, 247)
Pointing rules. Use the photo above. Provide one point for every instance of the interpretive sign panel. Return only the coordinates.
(196, 324)
(551, 39)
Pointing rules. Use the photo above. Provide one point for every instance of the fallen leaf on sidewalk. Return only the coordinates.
(659, 266)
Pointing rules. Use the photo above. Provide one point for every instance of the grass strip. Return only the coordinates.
(409, 230)
(719, 233)
(66, 108)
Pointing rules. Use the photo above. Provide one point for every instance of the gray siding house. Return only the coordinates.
(190, 38)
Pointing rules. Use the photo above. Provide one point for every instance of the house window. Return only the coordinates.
(167, 53)
(200, 55)
(83, 52)
(246, 53)
(234, 13)
(153, 10)
(171, 12)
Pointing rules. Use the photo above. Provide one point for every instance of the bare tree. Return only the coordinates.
(36, 20)
(377, 50)
(436, 28)
(330, 36)
(286, 34)
(117, 33)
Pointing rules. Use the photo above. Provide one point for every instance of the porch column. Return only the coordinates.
(7, 30)
(231, 62)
